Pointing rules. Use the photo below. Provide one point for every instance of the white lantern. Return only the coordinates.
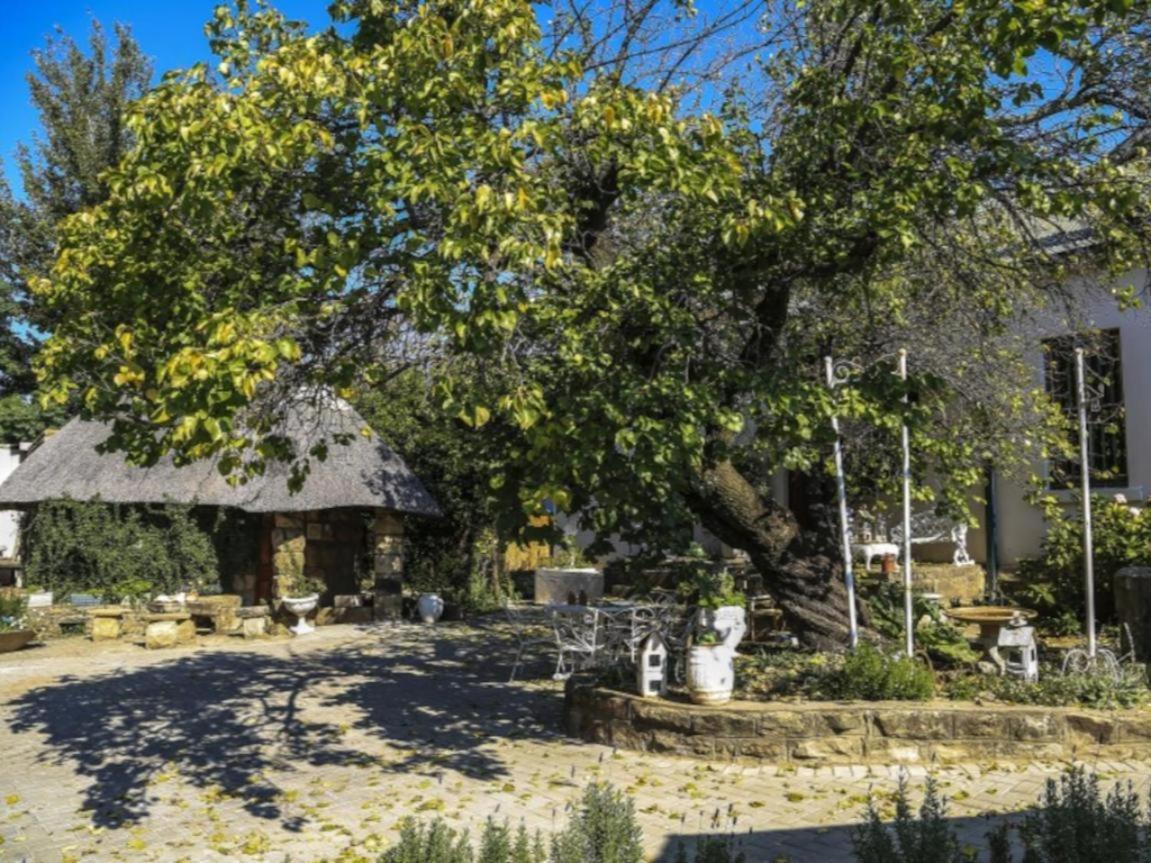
(651, 667)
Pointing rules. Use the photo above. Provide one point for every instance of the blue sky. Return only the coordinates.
(171, 33)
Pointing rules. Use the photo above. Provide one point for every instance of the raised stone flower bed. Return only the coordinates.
(814, 733)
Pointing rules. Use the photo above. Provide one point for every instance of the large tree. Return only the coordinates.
(80, 97)
(649, 286)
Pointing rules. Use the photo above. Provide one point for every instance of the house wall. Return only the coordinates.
(11, 455)
(1021, 525)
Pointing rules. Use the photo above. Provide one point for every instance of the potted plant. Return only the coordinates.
(430, 607)
(14, 631)
(720, 625)
(300, 596)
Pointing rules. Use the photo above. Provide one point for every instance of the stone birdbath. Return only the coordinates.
(998, 627)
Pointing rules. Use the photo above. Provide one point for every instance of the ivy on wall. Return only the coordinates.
(116, 551)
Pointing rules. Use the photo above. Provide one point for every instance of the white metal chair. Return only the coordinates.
(525, 631)
(578, 638)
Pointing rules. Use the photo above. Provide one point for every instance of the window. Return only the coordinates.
(1106, 427)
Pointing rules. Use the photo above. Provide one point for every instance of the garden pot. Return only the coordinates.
(300, 606)
(15, 639)
(430, 607)
(729, 622)
(710, 673)
(41, 599)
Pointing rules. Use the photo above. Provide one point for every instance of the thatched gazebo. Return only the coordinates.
(351, 500)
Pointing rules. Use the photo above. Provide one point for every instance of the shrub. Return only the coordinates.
(13, 608)
(934, 633)
(1076, 823)
(925, 837)
(870, 675)
(433, 843)
(1100, 692)
(709, 849)
(115, 551)
(602, 830)
(1053, 582)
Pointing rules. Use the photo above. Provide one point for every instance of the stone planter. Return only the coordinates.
(430, 607)
(729, 622)
(568, 586)
(710, 673)
(15, 639)
(301, 606)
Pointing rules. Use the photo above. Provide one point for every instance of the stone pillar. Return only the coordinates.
(388, 546)
(288, 545)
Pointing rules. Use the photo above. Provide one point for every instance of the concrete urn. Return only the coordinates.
(430, 607)
(301, 606)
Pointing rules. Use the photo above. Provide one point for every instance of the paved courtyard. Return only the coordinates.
(315, 748)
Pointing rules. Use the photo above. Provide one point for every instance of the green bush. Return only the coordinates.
(709, 849)
(603, 829)
(923, 837)
(871, 675)
(1073, 822)
(1053, 582)
(115, 551)
(1100, 692)
(934, 633)
(13, 611)
(1076, 823)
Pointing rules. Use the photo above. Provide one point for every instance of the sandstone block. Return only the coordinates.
(652, 715)
(1087, 729)
(1034, 726)
(828, 749)
(725, 724)
(105, 628)
(254, 627)
(781, 723)
(161, 634)
(823, 722)
(912, 724)
(979, 724)
(761, 749)
(680, 744)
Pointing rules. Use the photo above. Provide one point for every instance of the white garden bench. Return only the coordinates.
(926, 527)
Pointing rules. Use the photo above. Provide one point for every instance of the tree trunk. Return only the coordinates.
(800, 567)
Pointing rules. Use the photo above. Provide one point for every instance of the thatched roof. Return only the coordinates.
(362, 473)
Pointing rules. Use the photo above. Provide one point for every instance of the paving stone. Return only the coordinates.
(320, 744)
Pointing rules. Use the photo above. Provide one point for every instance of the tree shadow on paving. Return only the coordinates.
(228, 721)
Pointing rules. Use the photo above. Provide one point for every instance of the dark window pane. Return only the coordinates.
(1106, 426)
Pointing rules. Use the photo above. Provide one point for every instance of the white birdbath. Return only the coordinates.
(300, 606)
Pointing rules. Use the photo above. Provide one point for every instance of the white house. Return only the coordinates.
(11, 454)
(1119, 427)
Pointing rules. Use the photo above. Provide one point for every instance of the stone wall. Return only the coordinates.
(853, 732)
(332, 546)
(388, 560)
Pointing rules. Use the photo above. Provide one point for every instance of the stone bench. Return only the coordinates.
(107, 622)
(216, 613)
(168, 629)
(253, 621)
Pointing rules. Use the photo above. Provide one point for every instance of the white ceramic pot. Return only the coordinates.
(710, 673)
(430, 606)
(729, 622)
(301, 606)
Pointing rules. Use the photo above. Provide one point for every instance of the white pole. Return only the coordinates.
(1085, 475)
(908, 622)
(844, 526)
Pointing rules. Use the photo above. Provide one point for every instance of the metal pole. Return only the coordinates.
(844, 526)
(991, 532)
(1085, 475)
(908, 622)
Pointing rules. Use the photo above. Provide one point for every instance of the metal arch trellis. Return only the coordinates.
(839, 373)
(1095, 660)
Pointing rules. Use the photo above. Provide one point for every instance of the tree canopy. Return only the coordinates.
(80, 97)
(648, 273)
